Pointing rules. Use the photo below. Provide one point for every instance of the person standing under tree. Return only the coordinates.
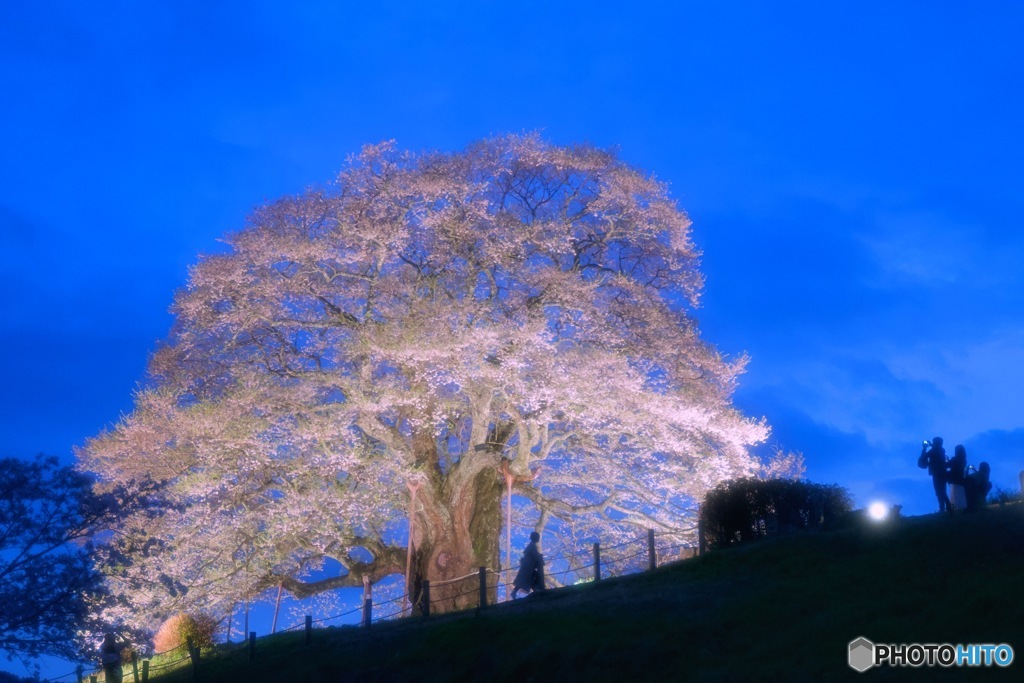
(531, 568)
(110, 658)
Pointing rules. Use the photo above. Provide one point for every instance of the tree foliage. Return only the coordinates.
(746, 509)
(48, 515)
(405, 342)
(8, 677)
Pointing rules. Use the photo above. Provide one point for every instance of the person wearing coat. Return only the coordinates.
(110, 658)
(955, 478)
(935, 456)
(976, 486)
(531, 568)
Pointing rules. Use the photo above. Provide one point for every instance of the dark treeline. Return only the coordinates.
(745, 509)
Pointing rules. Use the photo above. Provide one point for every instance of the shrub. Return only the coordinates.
(8, 677)
(745, 509)
(1002, 497)
(174, 632)
(129, 654)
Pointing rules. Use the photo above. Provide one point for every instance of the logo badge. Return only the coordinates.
(862, 654)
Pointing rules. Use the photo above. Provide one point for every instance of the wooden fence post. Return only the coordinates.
(135, 668)
(483, 587)
(92, 678)
(652, 556)
(193, 653)
(425, 598)
(252, 646)
(702, 543)
(309, 629)
(145, 671)
(79, 671)
(597, 561)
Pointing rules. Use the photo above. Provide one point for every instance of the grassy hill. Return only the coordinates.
(776, 610)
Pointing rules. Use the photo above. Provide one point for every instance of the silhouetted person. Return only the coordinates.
(977, 486)
(955, 478)
(110, 657)
(936, 458)
(531, 568)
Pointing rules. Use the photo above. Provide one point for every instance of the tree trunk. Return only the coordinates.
(457, 531)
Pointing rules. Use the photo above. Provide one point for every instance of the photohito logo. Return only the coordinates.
(863, 654)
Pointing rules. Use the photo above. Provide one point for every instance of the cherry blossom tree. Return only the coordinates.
(371, 366)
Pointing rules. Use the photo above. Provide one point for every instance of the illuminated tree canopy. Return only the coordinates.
(434, 323)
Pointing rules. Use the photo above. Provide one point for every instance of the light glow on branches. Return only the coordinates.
(433, 323)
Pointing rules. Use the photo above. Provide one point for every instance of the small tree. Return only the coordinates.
(175, 632)
(48, 513)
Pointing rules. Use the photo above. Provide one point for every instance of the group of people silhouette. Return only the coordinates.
(967, 487)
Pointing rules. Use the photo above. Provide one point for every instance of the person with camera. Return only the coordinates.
(110, 658)
(933, 456)
(955, 478)
(976, 486)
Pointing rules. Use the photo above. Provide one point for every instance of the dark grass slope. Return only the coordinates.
(778, 610)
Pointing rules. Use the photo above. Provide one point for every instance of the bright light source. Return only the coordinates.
(878, 511)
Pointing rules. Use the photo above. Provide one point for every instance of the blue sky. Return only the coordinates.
(853, 173)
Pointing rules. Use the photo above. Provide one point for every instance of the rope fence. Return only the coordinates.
(584, 565)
